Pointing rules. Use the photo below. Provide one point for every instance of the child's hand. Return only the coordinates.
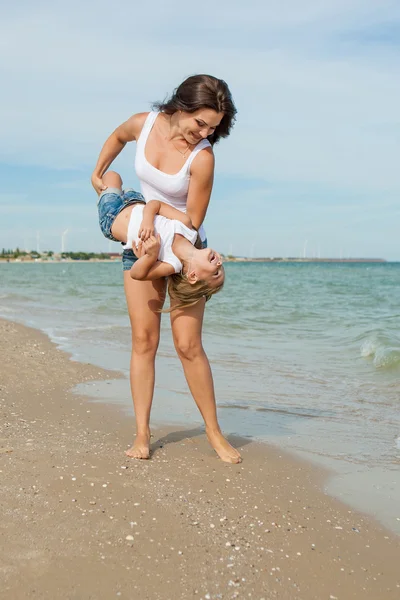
(152, 246)
(146, 229)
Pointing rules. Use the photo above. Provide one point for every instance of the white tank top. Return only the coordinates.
(167, 228)
(157, 185)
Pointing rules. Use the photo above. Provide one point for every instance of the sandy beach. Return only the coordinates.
(80, 520)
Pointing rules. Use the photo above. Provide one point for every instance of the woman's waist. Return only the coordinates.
(152, 194)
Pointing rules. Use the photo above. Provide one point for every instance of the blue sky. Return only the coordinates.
(311, 165)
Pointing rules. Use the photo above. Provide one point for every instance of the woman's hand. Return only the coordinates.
(138, 249)
(98, 184)
(146, 229)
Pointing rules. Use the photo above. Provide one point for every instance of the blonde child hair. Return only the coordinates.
(188, 294)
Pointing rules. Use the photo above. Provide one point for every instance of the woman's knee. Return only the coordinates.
(145, 342)
(188, 348)
(112, 179)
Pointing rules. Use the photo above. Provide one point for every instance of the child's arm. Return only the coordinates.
(157, 271)
(156, 207)
(147, 267)
(168, 211)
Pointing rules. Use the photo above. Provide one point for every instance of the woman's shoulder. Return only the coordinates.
(131, 129)
(204, 160)
(137, 122)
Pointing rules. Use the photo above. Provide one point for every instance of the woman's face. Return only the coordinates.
(199, 125)
(206, 265)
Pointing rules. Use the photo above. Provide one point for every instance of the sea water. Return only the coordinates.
(304, 355)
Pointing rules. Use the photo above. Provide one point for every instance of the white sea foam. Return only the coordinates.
(384, 350)
(368, 348)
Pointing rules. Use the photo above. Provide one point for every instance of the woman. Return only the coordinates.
(175, 164)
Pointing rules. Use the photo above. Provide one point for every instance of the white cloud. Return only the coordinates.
(318, 100)
(24, 209)
(11, 200)
(303, 115)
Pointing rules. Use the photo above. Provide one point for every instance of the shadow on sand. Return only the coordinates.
(180, 435)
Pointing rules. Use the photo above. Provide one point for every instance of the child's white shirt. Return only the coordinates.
(166, 228)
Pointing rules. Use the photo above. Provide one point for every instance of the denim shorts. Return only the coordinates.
(128, 258)
(110, 204)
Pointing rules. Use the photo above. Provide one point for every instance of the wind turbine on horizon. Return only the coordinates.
(63, 239)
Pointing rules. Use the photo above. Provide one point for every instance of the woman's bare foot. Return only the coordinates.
(222, 447)
(141, 447)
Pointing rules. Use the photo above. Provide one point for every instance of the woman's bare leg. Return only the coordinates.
(144, 299)
(186, 329)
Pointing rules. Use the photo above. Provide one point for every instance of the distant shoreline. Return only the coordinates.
(226, 259)
(308, 260)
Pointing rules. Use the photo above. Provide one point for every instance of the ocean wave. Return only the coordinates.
(111, 307)
(103, 327)
(309, 412)
(15, 297)
(384, 352)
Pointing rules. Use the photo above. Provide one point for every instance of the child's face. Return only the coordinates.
(207, 266)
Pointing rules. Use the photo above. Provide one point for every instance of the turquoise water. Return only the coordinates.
(304, 355)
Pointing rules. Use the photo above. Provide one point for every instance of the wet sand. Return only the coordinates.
(80, 520)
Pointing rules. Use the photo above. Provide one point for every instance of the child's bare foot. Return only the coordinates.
(141, 446)
(222, 447)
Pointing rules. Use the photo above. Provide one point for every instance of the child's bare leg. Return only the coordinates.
(119, 228)
(112, 180)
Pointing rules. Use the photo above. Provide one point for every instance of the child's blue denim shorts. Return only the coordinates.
(110, 204)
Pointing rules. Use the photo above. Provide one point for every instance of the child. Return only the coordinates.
(163, 239)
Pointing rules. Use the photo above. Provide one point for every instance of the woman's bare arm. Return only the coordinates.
(200, 186)
(156, 207)
(168, 211)
(127, 132)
